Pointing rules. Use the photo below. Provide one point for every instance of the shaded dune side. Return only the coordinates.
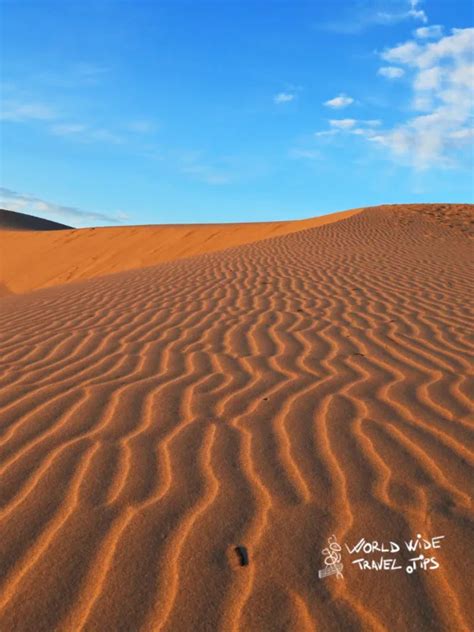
(10, 220)
(266, 396)
(32, 260)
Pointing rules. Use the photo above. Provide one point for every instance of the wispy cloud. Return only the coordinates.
(350, 126)
(18, 107)
(305, 154)
(391, 72)
(85, 133)
(194, 164)
(326, 132)
(338, 102)
(283, 97)
(87, 69)
(142, 126)
(342, 123)
(207, 174)
(71, 77)
(14, 112)
(369, 13)
(26, 203)
(21, 112)
(442, 80)
(67, 129)
(415, 12)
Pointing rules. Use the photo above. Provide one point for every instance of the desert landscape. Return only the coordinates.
(190, 413)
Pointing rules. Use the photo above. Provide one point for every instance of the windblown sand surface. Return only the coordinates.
(265, 396)
(54, 258)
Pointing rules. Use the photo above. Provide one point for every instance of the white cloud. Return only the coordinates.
(340, 126)
(360, 131)
(429, 32)
(373, 122)
(428, 79)
(342, 123)
(25, 203)
(403, 53)
(21, 112)
(283, 97)
(391, 72)
(462, 134)
(340, 101)
(442, 84)
(458, 45)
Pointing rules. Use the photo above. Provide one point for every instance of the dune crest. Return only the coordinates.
(155, 422)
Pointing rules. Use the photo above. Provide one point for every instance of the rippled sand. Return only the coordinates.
(265, 395)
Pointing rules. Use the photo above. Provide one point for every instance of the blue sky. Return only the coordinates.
(134, 112)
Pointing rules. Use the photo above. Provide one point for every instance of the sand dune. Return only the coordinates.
(9, 220)
(62, 257)
(265, 396)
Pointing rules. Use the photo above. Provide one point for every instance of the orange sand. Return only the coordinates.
(265, 396)
(57, 257)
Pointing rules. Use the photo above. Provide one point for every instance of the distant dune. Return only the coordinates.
(61, 257)
(9, 220)
(179, 441)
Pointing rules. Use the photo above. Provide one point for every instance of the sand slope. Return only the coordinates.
(61, 257)
(265, 396)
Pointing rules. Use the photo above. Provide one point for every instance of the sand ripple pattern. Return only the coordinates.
(267, 396)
